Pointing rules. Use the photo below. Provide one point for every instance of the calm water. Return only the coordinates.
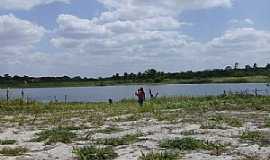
(98, 94)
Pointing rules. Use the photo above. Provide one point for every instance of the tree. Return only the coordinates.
(150, 72)
(255, 66)
(248, 67)
(236, 65)
(267, 66)
(227, 68)
(125, 75)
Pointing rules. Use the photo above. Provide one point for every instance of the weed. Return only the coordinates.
(234, 122)
(267, 123)
(7, 142)
(109, 130)
(93, 153)
(190, 144)
(159, 156)
(183, 144)
(55, 135)
(256, 137)
(127, 139)
(7, 151)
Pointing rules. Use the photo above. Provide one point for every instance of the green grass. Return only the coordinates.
(159, 156)
(94, 153)
(125, 140)
(188, 143)
(257, 137)
(212, 125)
(7, 151)
(55, 135)
(60, 114)
(267, 123)
(7, 142)
(231, 121)
(183, 144)
(109, 130)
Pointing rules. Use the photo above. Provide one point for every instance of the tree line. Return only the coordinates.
(150, 75)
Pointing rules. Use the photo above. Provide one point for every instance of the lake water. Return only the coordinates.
(100, 94)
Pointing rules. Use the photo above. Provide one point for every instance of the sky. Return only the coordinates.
(95, 38)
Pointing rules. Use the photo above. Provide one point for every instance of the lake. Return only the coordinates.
(102, 94)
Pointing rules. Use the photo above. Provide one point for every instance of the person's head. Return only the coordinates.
(141, 89)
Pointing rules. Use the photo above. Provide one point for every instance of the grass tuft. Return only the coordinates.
(159, 156)
(126, 140)
(257, 137)
(55, 135)
(7, 142)
(192, 144)
(93, 153)
(7, 151)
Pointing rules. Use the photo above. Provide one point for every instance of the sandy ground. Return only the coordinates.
(153, 131)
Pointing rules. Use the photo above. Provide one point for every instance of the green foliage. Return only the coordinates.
(234, 122)
(125, 140)
(257, 137)
(184, 144)
(7, 151)
(228, 75)
(7, 142)
(189, 143)
(109, 130)
(267, 123)
(159, 156)
(55, 135)
(252, 135)
(93, 153)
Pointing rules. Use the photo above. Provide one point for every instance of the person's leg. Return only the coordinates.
(140, 103)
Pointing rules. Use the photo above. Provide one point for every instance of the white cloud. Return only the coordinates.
(245, 45)
(134, 9)
(241, 23)
(132, 35)
(26, 4)
(17, 38)
(15, 32)
(148, 32)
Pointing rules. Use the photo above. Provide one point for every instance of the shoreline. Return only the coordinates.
(126, 84)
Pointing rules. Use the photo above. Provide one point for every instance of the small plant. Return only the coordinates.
(127, 139)
(212, 125)
(109, 130)
(7, 151)
(256, 137)
(253, 157)
(159, 156)
(7, 142)
(191, 144)
(267, 123)
(183, 144)
(55, 135)
(234, 122)
(93, 153)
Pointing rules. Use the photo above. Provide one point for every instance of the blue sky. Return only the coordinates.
(100, 38)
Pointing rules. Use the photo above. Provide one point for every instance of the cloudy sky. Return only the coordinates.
(101, 37)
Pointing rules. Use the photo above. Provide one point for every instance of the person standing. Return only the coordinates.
(141, 96)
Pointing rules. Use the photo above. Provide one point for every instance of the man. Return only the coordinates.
(141, 96)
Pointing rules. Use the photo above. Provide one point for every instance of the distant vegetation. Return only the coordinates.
(230, 74)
